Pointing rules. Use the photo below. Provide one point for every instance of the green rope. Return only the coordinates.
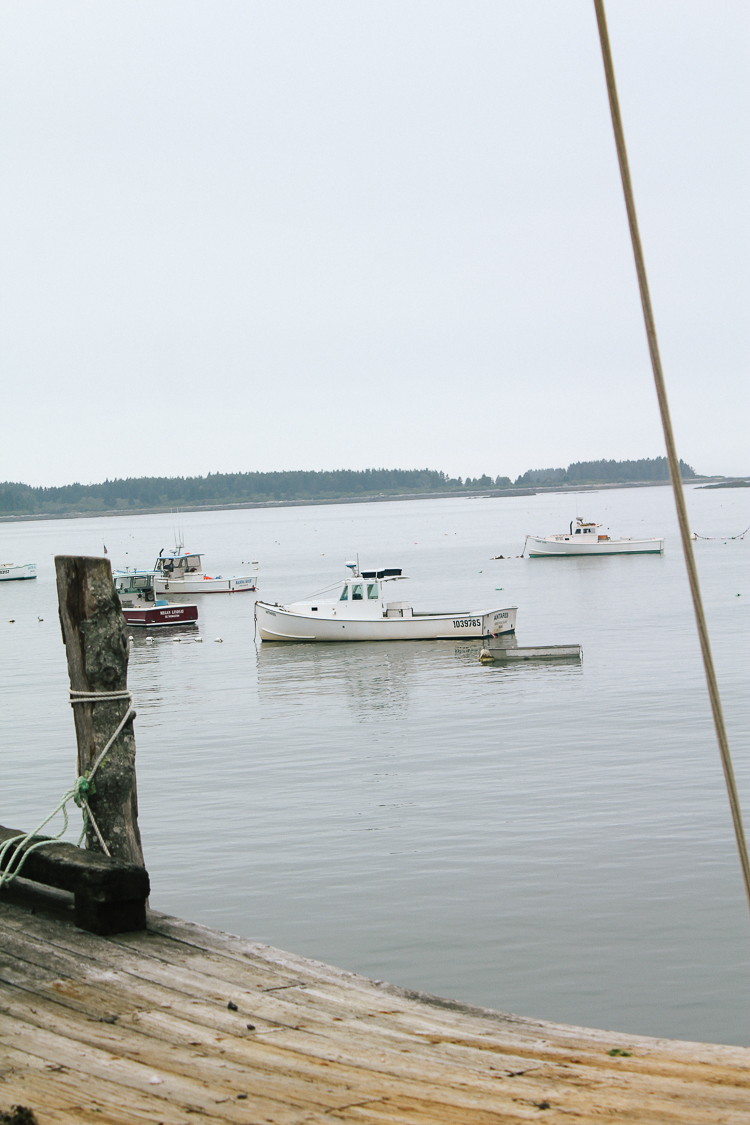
(83, 787)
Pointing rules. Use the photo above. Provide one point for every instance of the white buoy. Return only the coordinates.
(218, 640)
(486, 657)
(149, 640)
(199, 640)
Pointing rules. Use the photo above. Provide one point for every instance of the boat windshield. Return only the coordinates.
(357, 592)
(372, 590)
(133, 582)
(344, 594)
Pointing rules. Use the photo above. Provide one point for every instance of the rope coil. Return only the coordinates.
(79, 793)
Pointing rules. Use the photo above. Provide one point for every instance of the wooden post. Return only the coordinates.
(96, 642)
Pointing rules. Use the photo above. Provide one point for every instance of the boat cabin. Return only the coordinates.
(133, 586)
(582, 527)
(361, 596)
(177, 564)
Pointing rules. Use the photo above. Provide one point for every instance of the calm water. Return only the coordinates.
(549, 840)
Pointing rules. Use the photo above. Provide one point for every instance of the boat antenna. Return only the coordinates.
(673, 459)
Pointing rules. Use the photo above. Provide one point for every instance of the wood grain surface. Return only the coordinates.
(180, 1024)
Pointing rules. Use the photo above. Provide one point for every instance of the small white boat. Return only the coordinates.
(140, 605)
(181, 572)
(584, 539)
(11, 572)
(359, 611)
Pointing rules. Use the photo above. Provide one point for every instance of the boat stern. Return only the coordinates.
(500, 621)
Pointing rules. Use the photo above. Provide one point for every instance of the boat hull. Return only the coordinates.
(277, 623)
(9, 573)
(205, 585)
(154, 616)
(538, 547)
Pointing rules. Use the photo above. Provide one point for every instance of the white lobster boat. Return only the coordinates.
(358, 611)
(12, 572)
(583, 539)
(181, 572)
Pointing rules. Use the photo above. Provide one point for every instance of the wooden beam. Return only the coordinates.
(97, 647)
(110, 896)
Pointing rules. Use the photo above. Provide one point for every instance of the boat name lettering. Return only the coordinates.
(498, 615)
(466, 622)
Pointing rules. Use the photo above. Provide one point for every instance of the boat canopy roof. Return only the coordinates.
(180, 554)
(387, 572)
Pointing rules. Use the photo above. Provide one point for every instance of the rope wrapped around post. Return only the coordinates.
(78, 793)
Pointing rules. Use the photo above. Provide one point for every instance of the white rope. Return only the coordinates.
(674, 465)
(78, 794)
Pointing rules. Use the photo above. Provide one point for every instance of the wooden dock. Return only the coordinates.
(179, 1024)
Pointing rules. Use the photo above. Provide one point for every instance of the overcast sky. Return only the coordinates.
(242, 236)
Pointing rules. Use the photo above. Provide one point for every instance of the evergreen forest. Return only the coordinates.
(217, 489)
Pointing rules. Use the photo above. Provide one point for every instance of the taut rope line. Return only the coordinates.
(78, 793)
(674, 464)
(741, 535)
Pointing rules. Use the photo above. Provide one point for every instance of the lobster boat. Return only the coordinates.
(181, 572)
(360, 609)
(584, 539)
(140, 605)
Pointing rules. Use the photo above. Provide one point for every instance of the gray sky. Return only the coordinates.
(323, 234)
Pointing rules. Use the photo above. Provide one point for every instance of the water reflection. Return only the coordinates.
(375, 679)
(378, 680)
(154, 640)
(152, 652)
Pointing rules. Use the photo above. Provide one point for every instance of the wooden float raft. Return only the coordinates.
(535, 652)
(178, 1024)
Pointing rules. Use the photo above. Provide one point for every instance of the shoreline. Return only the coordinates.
(488, 493)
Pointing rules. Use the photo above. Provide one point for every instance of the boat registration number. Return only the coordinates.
(467, 622)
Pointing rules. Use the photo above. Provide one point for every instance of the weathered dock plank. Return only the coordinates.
(137, 1028)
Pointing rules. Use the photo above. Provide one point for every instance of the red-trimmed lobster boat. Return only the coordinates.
(140, 605)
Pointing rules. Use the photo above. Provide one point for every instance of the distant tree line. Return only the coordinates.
(233, 488)
(609, 472)
(254, 488)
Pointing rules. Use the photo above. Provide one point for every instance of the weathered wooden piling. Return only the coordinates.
(97, 647)
(108, 880)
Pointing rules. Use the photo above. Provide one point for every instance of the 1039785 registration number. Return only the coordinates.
(467, 622)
